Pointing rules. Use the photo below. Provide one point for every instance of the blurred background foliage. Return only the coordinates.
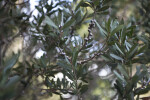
(43, 56)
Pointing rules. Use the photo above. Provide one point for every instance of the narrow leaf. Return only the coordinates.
(106, 1)
(132, 50)
(50, 22)
(119, 76)
(13, 80)
(103, 8)
(102, 31)
(11, 62)
(117, 29)
(116, 57)
(85, 4)
(119, 49)
(69, 23)
(122, 70)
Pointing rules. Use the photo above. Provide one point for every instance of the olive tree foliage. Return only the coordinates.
(13, 24)
(54, 30)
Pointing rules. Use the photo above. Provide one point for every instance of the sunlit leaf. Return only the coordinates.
(85, 4)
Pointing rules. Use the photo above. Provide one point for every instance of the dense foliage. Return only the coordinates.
(70, 50)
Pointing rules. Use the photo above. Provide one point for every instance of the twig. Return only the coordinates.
(91, 25)
(88, 59)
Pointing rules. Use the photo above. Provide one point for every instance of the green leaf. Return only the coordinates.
(43, 62)
(78, 5)
(132, 50)
(39, 9)
(84, 88)
(140, 91)
(131, 27)
(77, 16)
(103, 8)
(64, 65)
(69, 22)
(108, 24)
(10, 63)
(85, 4)
(50, 22)
(58, 83)
(62, 18)
(143, 38)
(96, 2)
(119, 48)
(138, 76)
(67, 60)
(13, 80)
(119, 76)
(85, 51)
(117, 29)
(106, 1)
(131, 96)
(142, 49)
(128, 45)
(74, 56)
(116, 57)
(82, 19)
(119, 87)
(123, 35)
(89, 45)
(40, 20)
(102, 31)
(122, 70)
